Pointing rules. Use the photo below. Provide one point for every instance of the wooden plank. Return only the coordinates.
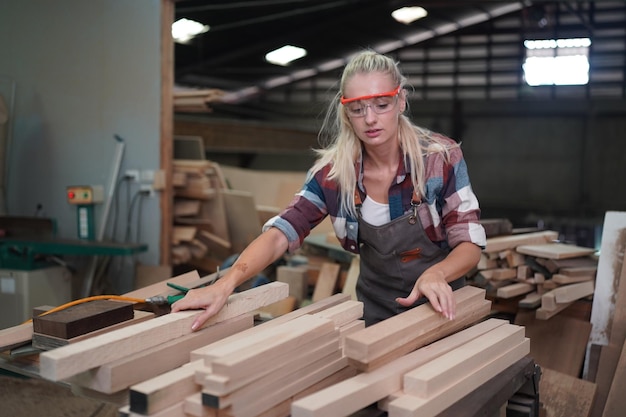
(141, 366)
(83, 318)
(342, 314)
(326, 281)
(616, 401)
(165, 390)
(16, 336)
(282, 341)
(244, 335)
(296, 277)
(573, 292)
(558, 343)
(243, 220)
(365, 388)
(186, 207)
(564, 395)
(500, 243)
(567, 279)
(409, 405)
(325, 351)
(298, 382)
(514, 290)
(70, 360)
(555, 250)
(503, 274)
(532, 300)
(349, 287)
(45, 342)
(434, 377)
(412, 329)
(216, 386)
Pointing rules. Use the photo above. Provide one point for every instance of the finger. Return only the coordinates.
(200, 320)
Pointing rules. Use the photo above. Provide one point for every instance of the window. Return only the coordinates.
(557, 61)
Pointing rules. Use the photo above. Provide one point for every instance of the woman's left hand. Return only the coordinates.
(432, 285)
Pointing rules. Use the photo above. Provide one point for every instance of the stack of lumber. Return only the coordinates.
(109, 362)
(537, 271)
(211, 222)
(196, 101)
(411, 362)
(257, 370)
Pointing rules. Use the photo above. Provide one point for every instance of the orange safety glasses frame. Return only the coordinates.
(391, 93)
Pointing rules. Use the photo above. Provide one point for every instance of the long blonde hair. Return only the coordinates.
(344, 148)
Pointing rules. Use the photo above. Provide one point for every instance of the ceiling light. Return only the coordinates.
(183, 30)
(408, 15)
(284, 55)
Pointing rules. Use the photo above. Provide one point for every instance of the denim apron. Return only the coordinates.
(393, 256)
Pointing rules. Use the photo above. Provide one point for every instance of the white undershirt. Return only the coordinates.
(375, 213)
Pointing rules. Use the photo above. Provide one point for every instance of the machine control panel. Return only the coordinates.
(85, 194)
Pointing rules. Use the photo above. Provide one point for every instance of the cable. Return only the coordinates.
(92, 298)
(129, 219)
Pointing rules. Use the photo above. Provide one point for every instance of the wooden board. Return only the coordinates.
(409, 330)
(243, 220)
(412, 406)
(564, 395)
(500, 243)
(555, 250)
(349, 287)
(141, 366)
(558, 343)
(434, 377)
(70, 360)
(358, 392)
(326, 281)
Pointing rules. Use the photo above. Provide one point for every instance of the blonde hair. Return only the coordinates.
(343, 147)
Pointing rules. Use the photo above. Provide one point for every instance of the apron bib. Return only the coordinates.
(393, 256)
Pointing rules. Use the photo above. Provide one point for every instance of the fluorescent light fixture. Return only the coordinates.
(285, 55)
(408, 15)
(183, 30)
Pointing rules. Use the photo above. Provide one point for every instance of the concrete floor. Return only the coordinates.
(28, 397)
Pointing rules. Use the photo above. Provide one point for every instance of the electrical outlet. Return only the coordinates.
(132, 175)
(147, 175)
(147, 189)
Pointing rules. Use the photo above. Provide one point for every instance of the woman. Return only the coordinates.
(397, 194)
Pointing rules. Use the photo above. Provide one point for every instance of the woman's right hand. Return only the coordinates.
(211, 299)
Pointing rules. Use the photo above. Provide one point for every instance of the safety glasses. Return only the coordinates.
(380, 103)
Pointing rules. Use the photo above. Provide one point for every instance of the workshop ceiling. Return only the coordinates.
(462, 49)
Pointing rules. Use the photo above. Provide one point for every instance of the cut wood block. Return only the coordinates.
(83, 318)
(409, 405)
(532, 300)
(326, 281)
(358, 392)
(409, 330)
(183, 234)
(502, 274)
(524, 272)
(185, 207)
(567, 279)
(555, 250)
(297, 278)
(434, 377)
(16, 336)
(500, 243)
(514, 290)
(580, 271)
(165, 390)
(46, 342)
(70, 360)
(546, 314)
(486, 262)
(141, 366)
